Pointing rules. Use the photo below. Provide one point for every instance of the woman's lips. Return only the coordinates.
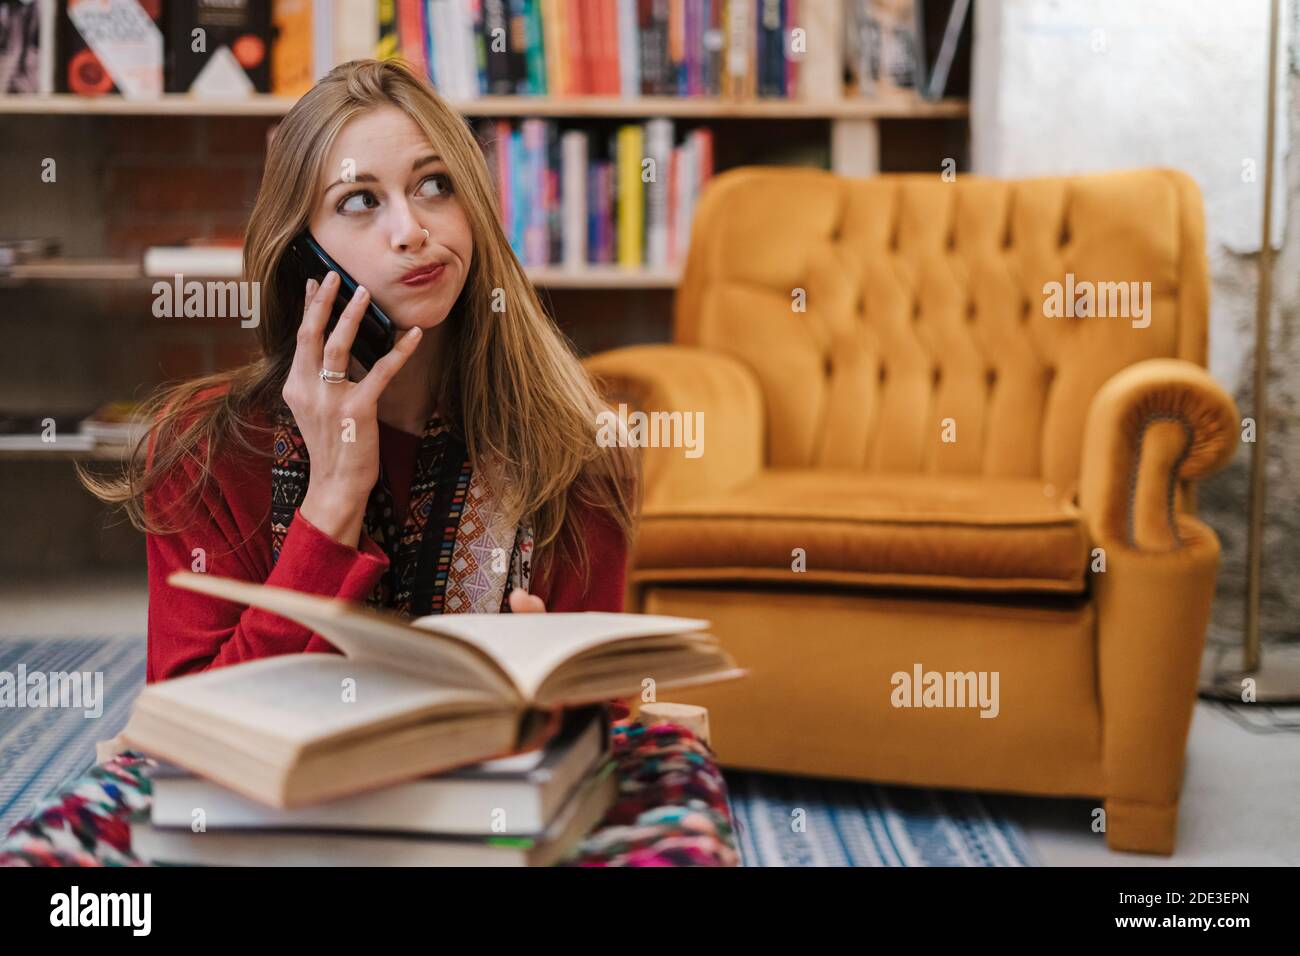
(425, 275)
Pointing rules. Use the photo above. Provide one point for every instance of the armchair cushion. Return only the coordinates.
(856, 528)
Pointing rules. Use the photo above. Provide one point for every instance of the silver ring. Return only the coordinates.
(333, 377)
(426, 234)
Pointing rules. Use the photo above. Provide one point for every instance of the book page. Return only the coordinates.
(509, 654)
(364, 632)
(300, 698)
(530, 647)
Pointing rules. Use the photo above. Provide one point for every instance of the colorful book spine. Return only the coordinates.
(479, 40)
(608, 206)
(631, 195)
(554, 194)
(649, 48)
(535, 240)
(496, 35)
(768, 37)
(412, 33)
(461, 39)
(576, 38)
(594, 189)
(676, 47)
(356, 30)
(741, 37)
(387, 47)
(629, 61)
(714, 42)
(787, 35)
(554, 46)
(291, 54)
(518, 46)
(438, 40)
(574, 197)
(694, 47)
(534, 62)
(27, 46)
(501, 145)
(659, 151)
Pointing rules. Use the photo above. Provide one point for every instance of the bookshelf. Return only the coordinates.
(552, 277)
(80, 327)
(855, 136)
(609, 107)
(55, 453)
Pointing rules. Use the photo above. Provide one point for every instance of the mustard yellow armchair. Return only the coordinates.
(942, 505)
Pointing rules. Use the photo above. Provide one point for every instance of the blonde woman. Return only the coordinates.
(459, 474)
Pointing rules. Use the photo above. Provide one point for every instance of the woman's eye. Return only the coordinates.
(357, 202)
(436, 185)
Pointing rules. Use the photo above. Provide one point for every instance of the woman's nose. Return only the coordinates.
(408, 234)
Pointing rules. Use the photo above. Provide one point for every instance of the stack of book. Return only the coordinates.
(531, 809)
(112, 426)
(22, 430)
(571, 198)
(14, 252)
(464, 739)
(115, 425)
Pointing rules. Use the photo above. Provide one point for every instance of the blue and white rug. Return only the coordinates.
(841, 823)
(803, 821)
(41, 747)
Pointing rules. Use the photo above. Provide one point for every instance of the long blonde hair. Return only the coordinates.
(513, 384)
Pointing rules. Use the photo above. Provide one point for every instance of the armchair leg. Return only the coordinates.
(1141, 827)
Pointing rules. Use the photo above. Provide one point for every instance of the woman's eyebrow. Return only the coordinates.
(368, 178)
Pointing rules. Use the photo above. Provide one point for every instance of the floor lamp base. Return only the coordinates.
(1277, 680)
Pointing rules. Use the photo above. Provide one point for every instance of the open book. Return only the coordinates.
(408, 697)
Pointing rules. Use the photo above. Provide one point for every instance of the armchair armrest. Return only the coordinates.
(1151, 425)
(719, 393)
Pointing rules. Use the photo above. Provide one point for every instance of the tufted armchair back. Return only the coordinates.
(882, 316)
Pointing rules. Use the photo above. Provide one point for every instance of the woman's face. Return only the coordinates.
(384, 185)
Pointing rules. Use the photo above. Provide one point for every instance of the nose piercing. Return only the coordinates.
(426, 234)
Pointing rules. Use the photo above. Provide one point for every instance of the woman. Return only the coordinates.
(459, 474)
(477, 433)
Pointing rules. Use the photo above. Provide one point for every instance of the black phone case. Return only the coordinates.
(376, 333)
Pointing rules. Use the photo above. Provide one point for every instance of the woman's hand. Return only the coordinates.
(339, 422)
(521, 602)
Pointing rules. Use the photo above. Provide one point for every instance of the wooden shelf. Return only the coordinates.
(551, 277)
(55, 453)
(603, 277)
(56, 270)
(608, 107)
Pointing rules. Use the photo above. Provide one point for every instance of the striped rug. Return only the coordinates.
(41, 747)
(843, 823)
(861, 824)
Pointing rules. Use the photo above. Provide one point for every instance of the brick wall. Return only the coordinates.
(123, 184)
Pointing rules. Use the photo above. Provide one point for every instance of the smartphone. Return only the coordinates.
(376, 333)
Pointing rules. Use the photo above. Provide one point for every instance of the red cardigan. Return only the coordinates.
(191, 632)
